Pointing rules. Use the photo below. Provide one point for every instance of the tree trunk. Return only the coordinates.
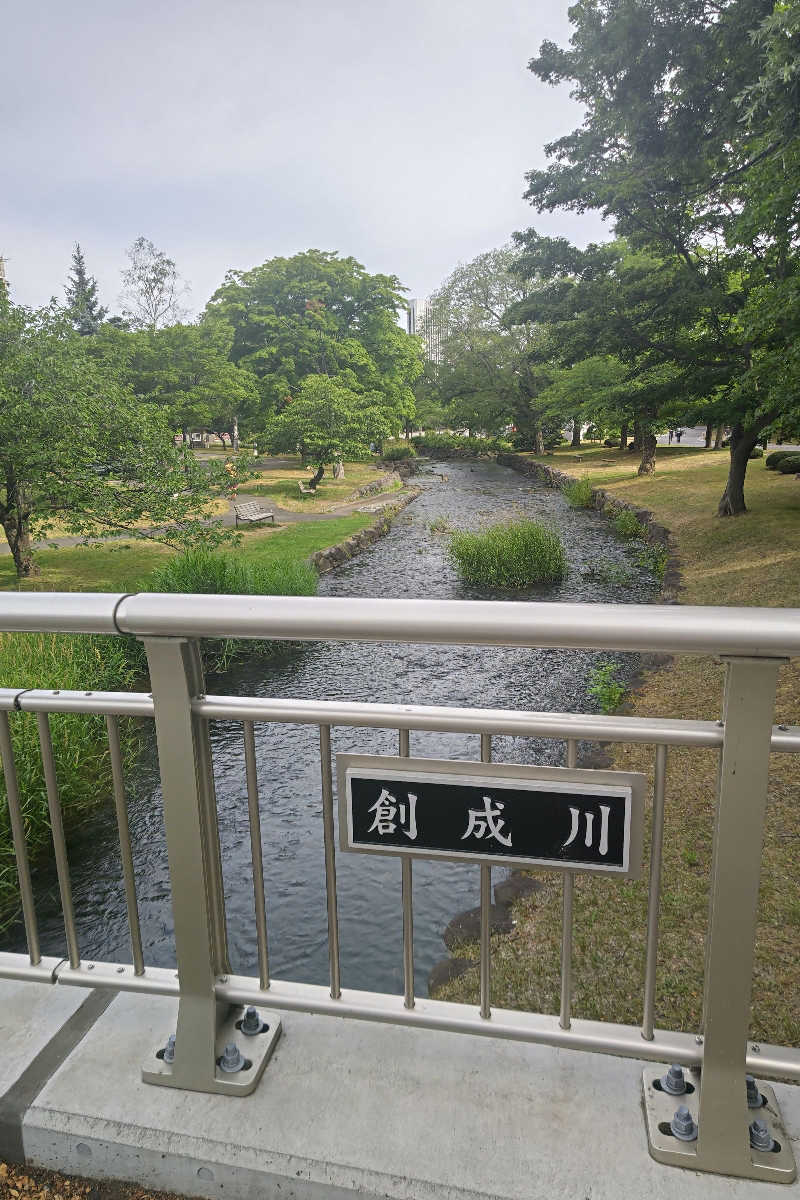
(338, 469)
(538, 440)
(636, 444)
(718, 437)
(709, 435)
(576, 433)
(623, 436)
(235, 438)
(732, 501)
(16, 524)
(317, 476)
(648, 464)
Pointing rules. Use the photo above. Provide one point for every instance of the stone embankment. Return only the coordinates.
(334, 556)
(609, 504)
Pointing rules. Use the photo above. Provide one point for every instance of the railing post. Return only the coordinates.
(204, 1026)
(723, 1118)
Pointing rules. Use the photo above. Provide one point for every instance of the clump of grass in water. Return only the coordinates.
(579, 494)
(440, 525)
(207, 572)
(605, 687)
(654, 558)
(514, 554)
(80, 747)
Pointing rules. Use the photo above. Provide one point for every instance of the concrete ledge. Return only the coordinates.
(39, 1025)
(352, 1108)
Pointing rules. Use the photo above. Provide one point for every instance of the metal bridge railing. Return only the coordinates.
(752, 642)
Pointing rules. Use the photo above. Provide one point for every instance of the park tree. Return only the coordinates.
(689, 146)
(77, 449)
(152, 289)
(318, 314)
(186, 371)
(328, 422)
(83, 305)
(487, 376)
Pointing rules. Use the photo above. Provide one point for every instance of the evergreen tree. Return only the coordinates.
(83, 307)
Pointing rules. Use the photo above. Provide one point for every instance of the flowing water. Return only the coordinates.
(411, 562)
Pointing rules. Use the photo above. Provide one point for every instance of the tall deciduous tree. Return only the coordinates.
(77, 448)
(319, 314)
(83, 305)
(690, 146)
(152, 289)
(329, 422)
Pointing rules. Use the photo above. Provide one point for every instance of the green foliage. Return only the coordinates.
(329, 422)
(627, 525)
(204, 572)
(80, 745)
(440, 524)
(513, 555)
(610, 573)
(579, 493)
(318, 314)
(400, 452)
(83, 306)
(449, 445)
(605, 687)
(66, 411)
(777, 456)
(756, 452)
(654, 557)
(789, 465)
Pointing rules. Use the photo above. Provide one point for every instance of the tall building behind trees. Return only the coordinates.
(421, 320)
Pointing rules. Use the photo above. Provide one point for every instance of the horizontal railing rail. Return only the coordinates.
(751, 642)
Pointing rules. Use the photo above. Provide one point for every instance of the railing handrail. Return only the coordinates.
(675, 629)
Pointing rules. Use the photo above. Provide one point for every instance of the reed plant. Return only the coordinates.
(512, 555)
(80, 746)
(579, 493)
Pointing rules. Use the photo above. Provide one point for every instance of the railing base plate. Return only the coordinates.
(257, 1050)
(659, 1107)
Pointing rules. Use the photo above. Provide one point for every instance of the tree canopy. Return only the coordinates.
(690, 147)
(318, 314)
(79, 450)
(83, 305)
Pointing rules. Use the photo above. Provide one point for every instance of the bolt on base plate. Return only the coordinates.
(256, 1050)
(660, 1106)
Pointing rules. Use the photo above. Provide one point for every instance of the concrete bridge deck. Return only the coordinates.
(345, 1109)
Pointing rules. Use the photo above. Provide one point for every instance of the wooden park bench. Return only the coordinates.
(252, 511)
(306, 491)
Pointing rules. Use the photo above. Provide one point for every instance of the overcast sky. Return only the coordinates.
(233, 131)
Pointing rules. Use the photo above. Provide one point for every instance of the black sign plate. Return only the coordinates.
(492, 813)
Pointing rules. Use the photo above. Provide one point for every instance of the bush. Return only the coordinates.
(777, 456)
(580, 493)
(789, 465)
(80, 746)
(611, 443)
(399, 452)
(605, 687)
(756, 452)
(627, 525)
(511, 555)
(207, 572)
(448, 445)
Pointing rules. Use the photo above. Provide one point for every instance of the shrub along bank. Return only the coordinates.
(753, 559)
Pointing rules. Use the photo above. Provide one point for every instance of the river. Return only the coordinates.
(410, 562)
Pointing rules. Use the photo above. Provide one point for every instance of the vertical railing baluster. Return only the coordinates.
(330, 858)
(407, 885)
(59, 841)
(256, 853)
(126, 854)
(654, 898)
(18, 839)
(486, 909)
(567, 898)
